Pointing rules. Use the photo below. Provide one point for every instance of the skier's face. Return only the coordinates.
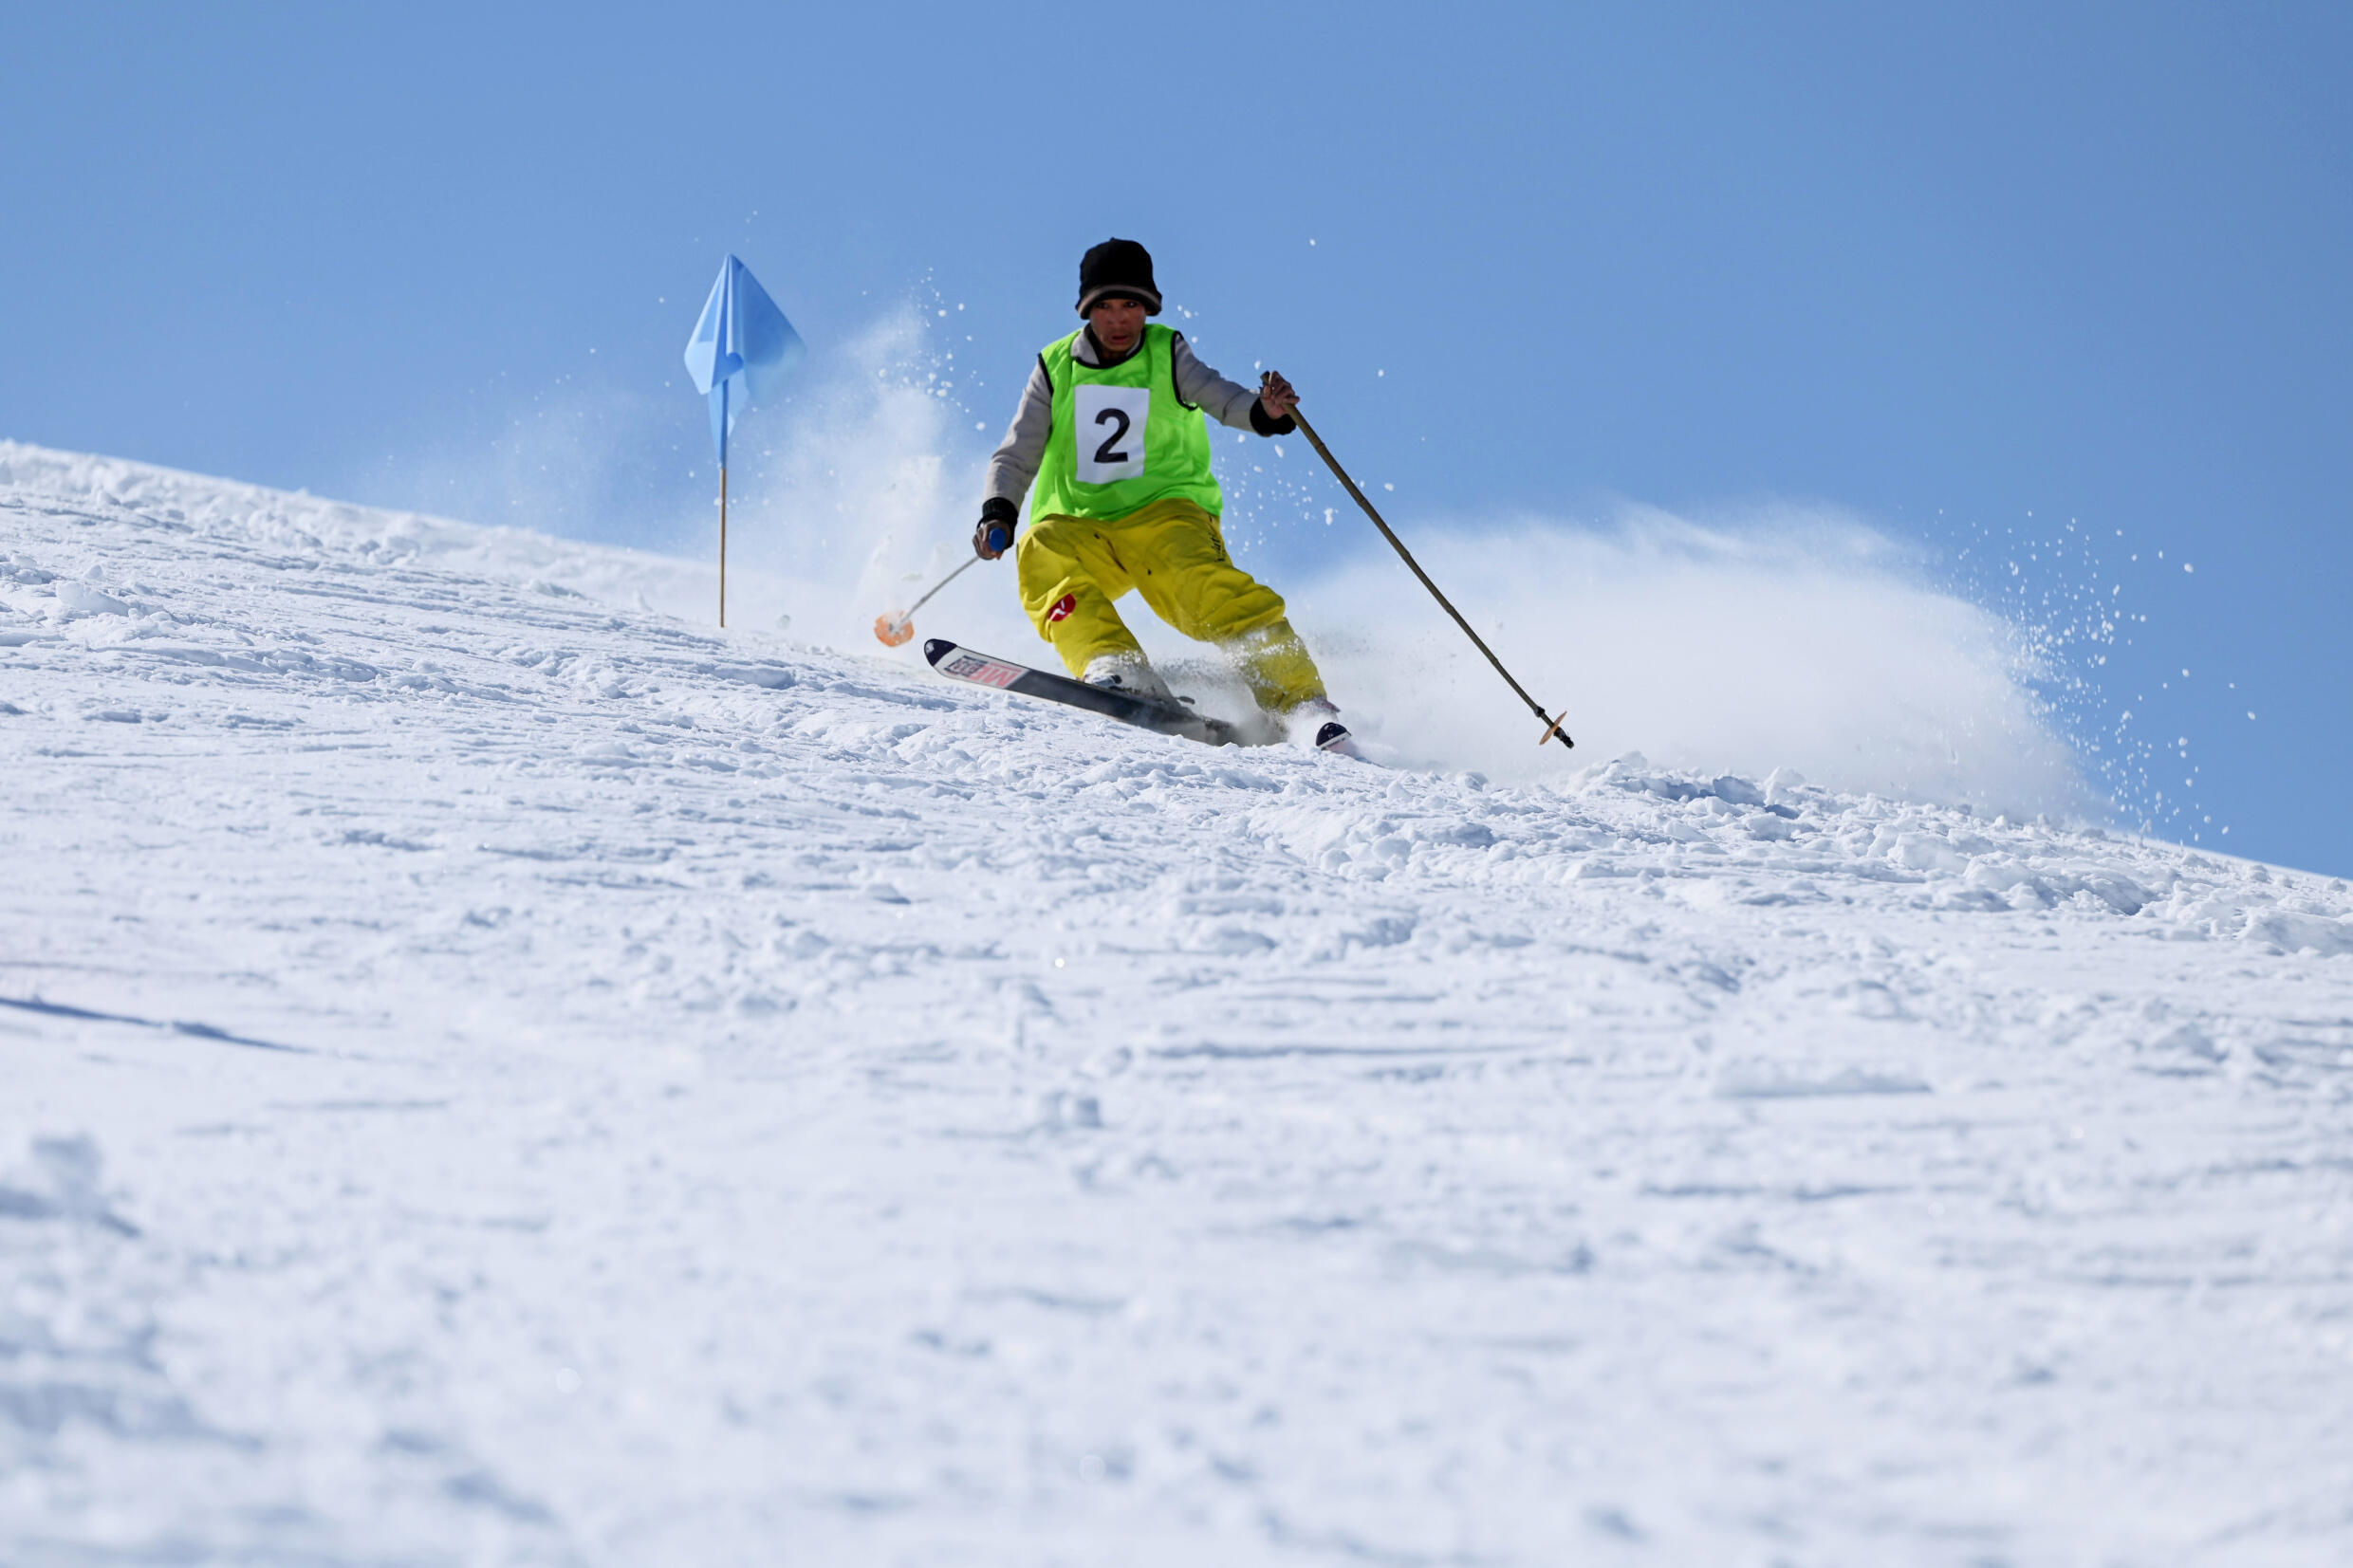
(1118, 323)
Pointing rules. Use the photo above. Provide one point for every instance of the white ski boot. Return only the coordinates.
(1315, 725)
(1131, 674)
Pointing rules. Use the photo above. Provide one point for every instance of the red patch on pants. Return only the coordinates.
(1063, 607)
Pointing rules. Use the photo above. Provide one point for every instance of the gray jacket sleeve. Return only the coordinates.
(1227, 402)
(1015, 462)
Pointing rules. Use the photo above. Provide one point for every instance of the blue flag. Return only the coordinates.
(741, 349)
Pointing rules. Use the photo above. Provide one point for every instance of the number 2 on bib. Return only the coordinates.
(1110, 431)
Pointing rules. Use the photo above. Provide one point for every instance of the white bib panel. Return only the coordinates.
(1110, 431)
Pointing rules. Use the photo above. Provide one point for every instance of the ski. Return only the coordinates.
(975, 668)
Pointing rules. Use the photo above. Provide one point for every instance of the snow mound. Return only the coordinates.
(504, 1072)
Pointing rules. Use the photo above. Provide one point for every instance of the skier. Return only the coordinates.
(1111, 446)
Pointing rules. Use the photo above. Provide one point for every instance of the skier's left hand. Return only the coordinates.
(993, 534)
(1276, 396)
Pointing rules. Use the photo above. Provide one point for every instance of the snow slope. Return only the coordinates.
(499, 1073)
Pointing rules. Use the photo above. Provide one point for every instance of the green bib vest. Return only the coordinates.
(1121, 438)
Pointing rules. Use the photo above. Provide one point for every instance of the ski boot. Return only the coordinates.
(1315, 725)
(1129, 673)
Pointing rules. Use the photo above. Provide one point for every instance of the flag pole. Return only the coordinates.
(722, 505)
(741, 337)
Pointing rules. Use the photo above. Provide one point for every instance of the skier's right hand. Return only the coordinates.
(993, 534)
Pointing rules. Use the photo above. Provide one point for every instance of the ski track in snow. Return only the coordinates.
(497, 1076)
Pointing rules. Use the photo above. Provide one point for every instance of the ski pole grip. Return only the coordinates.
(999, 537)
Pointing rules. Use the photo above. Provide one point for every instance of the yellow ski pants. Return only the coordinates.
(1172, 553)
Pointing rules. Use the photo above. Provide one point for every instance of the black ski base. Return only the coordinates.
(975, 668)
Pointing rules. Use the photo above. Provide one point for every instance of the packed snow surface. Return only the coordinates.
(496, 1073)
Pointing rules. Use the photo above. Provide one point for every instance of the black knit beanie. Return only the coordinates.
(1117, 267)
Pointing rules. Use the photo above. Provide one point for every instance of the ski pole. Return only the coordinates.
(896, 629)
(1552, 726)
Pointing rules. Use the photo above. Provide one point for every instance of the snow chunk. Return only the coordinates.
(78, 599)
(1771, 1081)
(2290, 931)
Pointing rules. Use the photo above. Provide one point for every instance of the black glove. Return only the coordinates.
(1267, 426)
(993, 534)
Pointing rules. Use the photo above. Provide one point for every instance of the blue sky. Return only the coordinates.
(1956, 270)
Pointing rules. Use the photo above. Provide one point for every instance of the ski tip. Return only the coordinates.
(936, 649)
